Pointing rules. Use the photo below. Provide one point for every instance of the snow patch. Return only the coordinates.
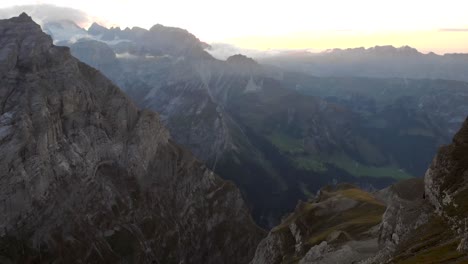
(125, 55)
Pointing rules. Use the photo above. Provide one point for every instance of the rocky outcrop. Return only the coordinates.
(425, 221)
(446, 180)
(406, 211)
(340, 226)
(87, 177)
(446, 184)
(432, 228)
(405, 204)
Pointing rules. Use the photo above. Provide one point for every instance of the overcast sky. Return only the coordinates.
(440, 26)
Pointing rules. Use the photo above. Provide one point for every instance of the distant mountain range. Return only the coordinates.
(376, 62)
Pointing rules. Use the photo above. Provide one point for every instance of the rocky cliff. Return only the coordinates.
(431, 226)
(86, 177)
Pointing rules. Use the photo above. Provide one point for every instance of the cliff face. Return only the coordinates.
(431, 228)
(87, 177)
(446, 181)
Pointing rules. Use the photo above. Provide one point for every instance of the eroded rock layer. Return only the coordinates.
(86, 177)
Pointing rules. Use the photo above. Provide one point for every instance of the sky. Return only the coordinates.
(439, 26)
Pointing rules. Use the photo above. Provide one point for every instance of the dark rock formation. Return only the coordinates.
(241, 59)
(86, 177)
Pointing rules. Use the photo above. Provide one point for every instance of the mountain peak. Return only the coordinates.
(22, 43)
(25, 17)
(95, 24)
(22, 18)
(96, 29)
(159, 27)
(242, 60)
(389, 49)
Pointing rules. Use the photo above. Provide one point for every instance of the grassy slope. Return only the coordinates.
(366, 214)
(318, 221)
(431, 243)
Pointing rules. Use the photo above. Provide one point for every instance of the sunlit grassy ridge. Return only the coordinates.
(360, 195)
(339, 214)
(367, 210)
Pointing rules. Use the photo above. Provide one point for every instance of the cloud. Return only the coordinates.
(453, 30)
(44, 13)
(222, 51)
(126, 55)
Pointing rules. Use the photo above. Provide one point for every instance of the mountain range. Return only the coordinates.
(260, 125)
(88, 176)
(374, 62)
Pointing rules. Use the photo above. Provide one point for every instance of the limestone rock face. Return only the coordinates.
(446, 181)
(87, 177)
(425, 222)
(446, 184)
(340, 226)
(406, 210)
